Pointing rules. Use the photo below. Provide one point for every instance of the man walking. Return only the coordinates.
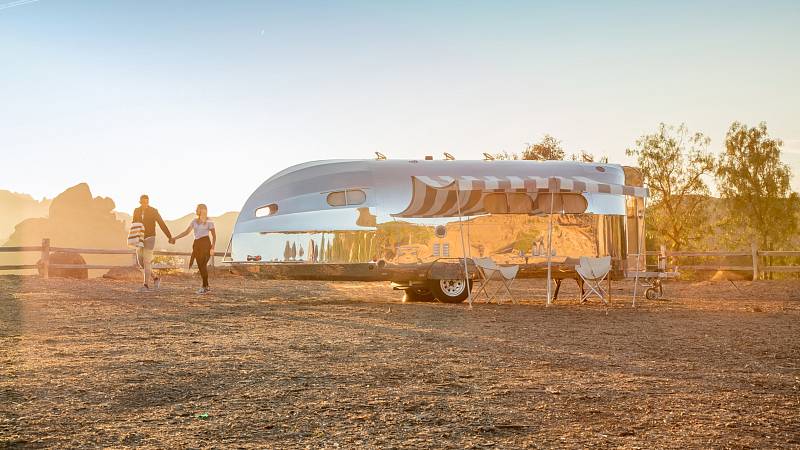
(148, 216)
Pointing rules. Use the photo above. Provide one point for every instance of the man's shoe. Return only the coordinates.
(144, 288)
(202, 290)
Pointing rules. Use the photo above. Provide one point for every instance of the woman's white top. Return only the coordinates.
(201, 230)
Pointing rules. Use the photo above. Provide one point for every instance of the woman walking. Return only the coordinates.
(203, 247)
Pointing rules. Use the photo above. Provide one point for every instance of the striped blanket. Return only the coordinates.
(136, 235)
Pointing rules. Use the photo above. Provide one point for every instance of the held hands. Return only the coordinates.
(172, 241)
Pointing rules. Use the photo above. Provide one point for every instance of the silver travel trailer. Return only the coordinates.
(394, 220)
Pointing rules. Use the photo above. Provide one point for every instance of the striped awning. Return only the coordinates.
(444, 196)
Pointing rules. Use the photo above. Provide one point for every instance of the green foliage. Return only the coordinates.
(525, 239)
(175, 263)
(351, 247)
(673, 162)
(397, 233)
(752, 177)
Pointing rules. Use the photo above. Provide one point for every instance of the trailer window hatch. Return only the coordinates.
(347, 197)
(267, 210)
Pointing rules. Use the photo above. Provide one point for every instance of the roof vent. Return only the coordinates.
(428, 158)
(449, 157)
(380, 156)
(487, 157)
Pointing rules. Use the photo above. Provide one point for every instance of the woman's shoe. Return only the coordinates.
(202, 290)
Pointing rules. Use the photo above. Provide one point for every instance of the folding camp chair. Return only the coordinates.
(593, 271)
(489, 270)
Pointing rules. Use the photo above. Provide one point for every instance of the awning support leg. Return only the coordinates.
(463, 249)
(550, 251)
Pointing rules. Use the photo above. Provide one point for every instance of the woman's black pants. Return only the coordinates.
(201, 252)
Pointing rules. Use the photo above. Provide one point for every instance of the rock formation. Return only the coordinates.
(76, 219)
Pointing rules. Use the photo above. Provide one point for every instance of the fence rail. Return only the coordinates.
(664, 258)
(20, 249)
(779, 253)
(46, 250)
(756, 267)
(19, 267)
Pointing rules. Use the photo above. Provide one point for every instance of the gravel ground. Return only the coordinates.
(286, 364)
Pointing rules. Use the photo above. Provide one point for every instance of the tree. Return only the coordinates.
(673, 162)
(751, 176)
(287, 251)
(548, 149)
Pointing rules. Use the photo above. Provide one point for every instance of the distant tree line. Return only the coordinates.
(677, 165)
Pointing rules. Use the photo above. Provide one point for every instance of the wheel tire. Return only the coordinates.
(449, 291)
(418, 295)
(651, 294)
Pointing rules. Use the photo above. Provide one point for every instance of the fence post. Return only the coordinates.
(754, 251)
(662, 258)
(45, 258)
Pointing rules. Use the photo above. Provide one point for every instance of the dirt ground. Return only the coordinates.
(287, 364)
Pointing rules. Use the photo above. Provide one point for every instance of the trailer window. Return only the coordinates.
(355, 196)
(268, 210)
(347, 197)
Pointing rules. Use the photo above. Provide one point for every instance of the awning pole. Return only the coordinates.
(469, 241)
(642, 250)
(463, 247)
(550, 250)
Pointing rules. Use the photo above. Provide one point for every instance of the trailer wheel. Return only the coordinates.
(651, 294)
(422, 294)
(449, 291)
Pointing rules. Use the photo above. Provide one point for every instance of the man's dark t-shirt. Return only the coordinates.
(148, 217)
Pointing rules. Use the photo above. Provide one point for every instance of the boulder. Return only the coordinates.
(66, 258)
(124, 274)
(729, 275)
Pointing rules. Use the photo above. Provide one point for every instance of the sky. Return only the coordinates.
(199, 101)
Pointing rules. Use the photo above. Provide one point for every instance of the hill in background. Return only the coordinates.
(17, 207)
(224, 225)
(75, 218)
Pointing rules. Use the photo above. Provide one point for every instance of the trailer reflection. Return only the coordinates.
(506, 238)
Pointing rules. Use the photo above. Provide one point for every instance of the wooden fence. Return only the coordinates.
(756, 267)
(669, 259)
(45, 265)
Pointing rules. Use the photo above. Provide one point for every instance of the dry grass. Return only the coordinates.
(294, 364)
